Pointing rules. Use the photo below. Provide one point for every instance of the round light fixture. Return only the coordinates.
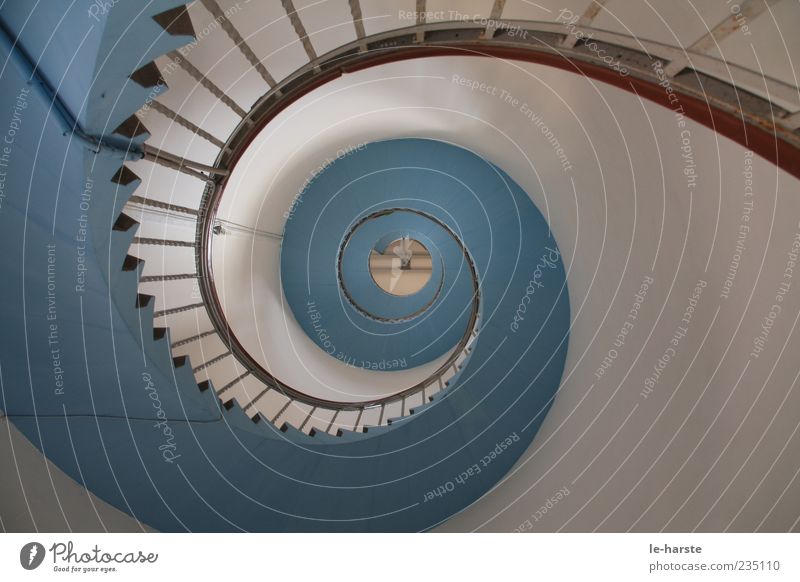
(403, 268)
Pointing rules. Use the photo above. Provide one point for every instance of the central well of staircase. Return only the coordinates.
(403, 268)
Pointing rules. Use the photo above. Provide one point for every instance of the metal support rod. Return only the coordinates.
(233, 383)
(182, 164)
(422, 14)
(330, 424)
(211, 362)
(380, 418)
(224, 226)
(157, 278)
(310, 414)
(194, 338)
(497, 10)
(233, 34)
(282, 410)
(422, 18)
(294, 18)
(358, 18)
(137, 240)
(185, 123)
(494, 18)
(176, 166)
(748, 11)
(164, 312)
(358, 419)
(791, 121)
(198, 76)
(591, 12)
(162, 205)
(258, 397)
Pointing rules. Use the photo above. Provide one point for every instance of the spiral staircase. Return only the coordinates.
(175, 201)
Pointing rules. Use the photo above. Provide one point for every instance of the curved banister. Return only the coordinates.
(234, 476)
(223, 328)
(443, 38)
(463, 39)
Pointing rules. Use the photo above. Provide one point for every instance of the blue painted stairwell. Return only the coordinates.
(86, 376)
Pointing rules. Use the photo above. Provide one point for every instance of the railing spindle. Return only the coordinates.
(258, 397)
(162, 205)
(194, 338)
(211, 362)
(330, 424)
(158, 278)
(173, 310)
(282, 410)
(233, 383)
(137, 240)
(310, 414)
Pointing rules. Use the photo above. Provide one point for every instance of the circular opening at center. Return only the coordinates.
(403, 268)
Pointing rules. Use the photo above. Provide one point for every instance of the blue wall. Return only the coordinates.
(84, 379)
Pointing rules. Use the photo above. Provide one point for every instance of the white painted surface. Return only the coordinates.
(270, 34)
(772, 46)
(385, 15)
(630, 215)
(715, 445)
(328, 23)
(217, 55)
(673, 22)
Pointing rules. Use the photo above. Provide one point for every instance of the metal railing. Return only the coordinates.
(763, 103)
(385, 212)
